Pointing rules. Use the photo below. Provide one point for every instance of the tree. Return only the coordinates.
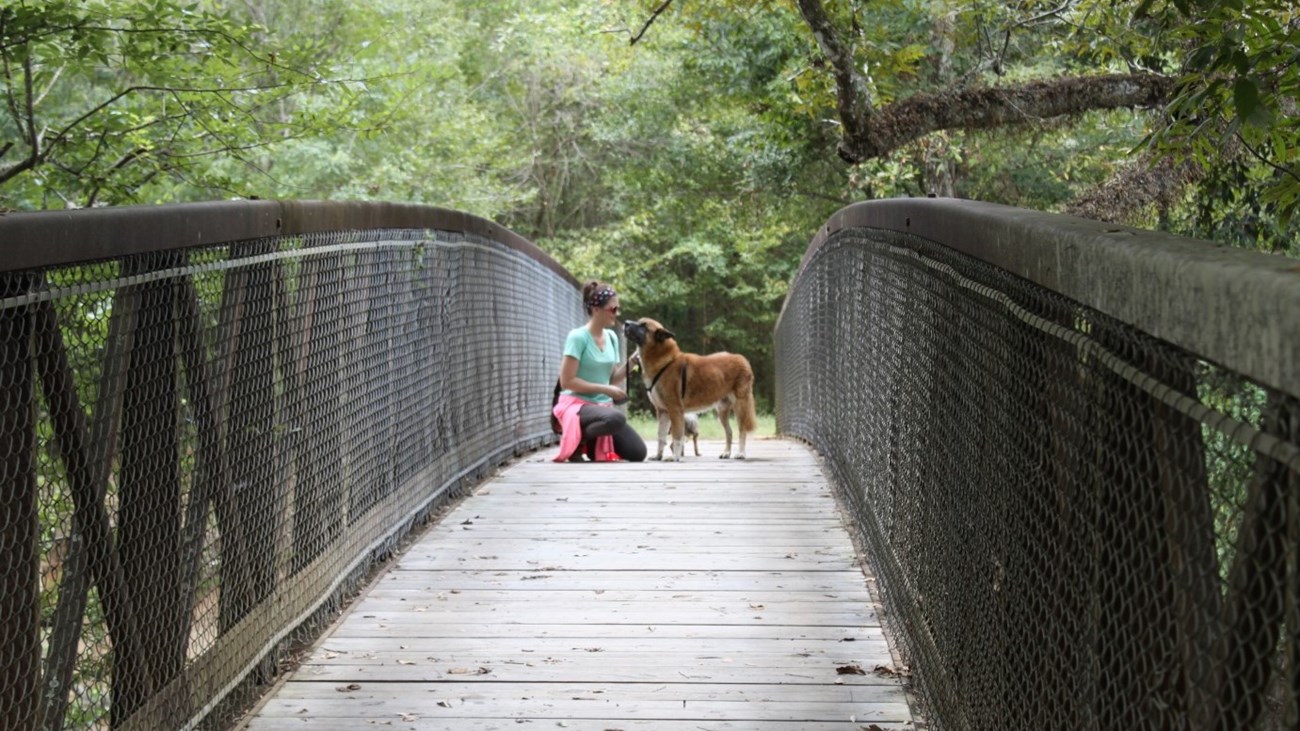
(105, 97)
(1215, 78)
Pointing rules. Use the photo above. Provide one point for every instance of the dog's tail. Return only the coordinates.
(745, 402)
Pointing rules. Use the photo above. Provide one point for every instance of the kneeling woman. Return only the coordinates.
(588, 376)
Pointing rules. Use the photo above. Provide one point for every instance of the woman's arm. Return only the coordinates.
(569, 380)
(623, 371)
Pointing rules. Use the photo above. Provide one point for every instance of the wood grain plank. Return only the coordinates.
(702, 595)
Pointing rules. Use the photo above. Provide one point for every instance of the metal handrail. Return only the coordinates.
(1072, 451)
(220, 416)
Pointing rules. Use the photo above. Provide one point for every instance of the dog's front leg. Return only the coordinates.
(663, 432)
(679, 435)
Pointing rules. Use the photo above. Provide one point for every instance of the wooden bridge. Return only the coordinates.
(699, 595)
(1069, 452)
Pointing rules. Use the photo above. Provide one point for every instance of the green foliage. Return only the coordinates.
(689, 169)
(108, 98)
(1236, 94)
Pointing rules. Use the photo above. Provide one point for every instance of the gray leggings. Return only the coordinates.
(599, 421)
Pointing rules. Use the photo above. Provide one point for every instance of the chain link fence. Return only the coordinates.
(205, 447)
(1074, 524)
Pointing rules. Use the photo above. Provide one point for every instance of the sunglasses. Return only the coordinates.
(611, 310)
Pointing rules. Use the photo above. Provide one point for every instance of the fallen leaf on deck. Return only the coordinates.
(888, 671)
(850, 670)
(409, 717)
(348, 687)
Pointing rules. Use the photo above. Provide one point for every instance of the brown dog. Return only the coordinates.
(679, 382)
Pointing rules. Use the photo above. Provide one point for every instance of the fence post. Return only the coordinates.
(246, 503)
(149, 511)
(1257, 605)
(318, 505)
(20, 645)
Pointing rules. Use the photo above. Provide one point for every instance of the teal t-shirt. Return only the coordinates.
(594, 365)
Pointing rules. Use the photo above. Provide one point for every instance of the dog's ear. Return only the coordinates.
(662, 335)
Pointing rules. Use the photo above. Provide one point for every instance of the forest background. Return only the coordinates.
(683, 151)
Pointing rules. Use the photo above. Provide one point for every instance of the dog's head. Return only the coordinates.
(646, 332)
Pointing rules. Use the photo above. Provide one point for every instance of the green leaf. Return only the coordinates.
(1249, 107)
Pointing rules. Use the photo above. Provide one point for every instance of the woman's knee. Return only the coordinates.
(605, 423)
(630, 446)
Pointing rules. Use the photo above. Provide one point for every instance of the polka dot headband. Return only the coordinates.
(600, 297)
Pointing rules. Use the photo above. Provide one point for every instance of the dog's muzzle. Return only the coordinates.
(634, 331)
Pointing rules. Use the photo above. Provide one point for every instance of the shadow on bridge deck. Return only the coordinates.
(699, 595)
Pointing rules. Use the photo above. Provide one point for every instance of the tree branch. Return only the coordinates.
(912, 118)
(851, 90)
(1134, 188)
(1281, 170)
(33, 138)
(650, 21)
(101, 180)
(868, 132)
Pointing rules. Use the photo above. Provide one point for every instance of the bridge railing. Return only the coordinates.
(1072, 451)
(216, 418)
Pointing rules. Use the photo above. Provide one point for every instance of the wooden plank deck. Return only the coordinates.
(700, 595)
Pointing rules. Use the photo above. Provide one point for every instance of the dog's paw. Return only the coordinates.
(740, 456)
(725, 455)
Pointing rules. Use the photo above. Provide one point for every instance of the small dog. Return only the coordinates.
(692, 430)
(678, 382)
